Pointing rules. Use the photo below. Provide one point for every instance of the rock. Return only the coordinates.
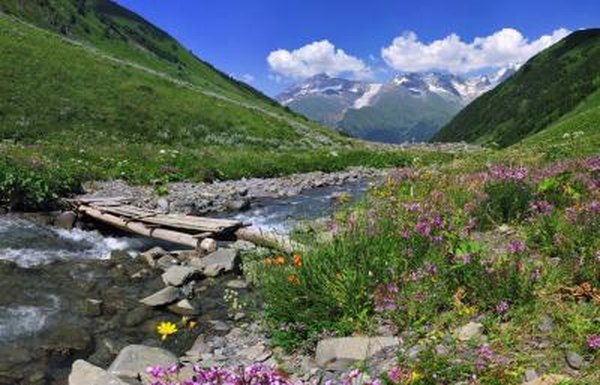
(184, 308)
(162, 297)
(414, 351)
(238, 316)
(220, 326)
(546, 324)
(84, 373)
(185, 255)
(133, 360)
(92, 307)
(68, 341)
(163, 205)
(137, 316)
(237, 284)
(242, 245)
(200, 347)
(441, 350)
(66, 220)
(550, 379)
(151, 256)
(208, 245)
(472, 330)
(530, 375)
(256, 353)
(238, 204)
(221, 261)
(179, 275)
(574, 360)
(339, 353)
(166, 261)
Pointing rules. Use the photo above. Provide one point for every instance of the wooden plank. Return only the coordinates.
(141, 228)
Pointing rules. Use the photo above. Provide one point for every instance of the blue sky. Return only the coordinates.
(355, 39)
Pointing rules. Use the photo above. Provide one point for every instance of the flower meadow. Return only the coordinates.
(511, 247)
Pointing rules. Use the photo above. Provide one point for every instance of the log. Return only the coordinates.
(141, 228)
(268, 239)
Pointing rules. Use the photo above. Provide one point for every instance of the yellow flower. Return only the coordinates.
(293, 279)
(165, 329)
(414, 376)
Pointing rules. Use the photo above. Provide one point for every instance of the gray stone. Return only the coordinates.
(166, 261)
(414, 351)
(530, 374)
(340, 353)
(550, 379)
(208, 245)
(238, 316)
(243, 245)
(200, 347)
(256, 353)
(84, 373)
(66, 220)
(546, 324)
(472, 330)
(184, 308)
(151, 256)
(162, 297)
(220, 326)
(238, 204)
(214, 264)
(133, 360)
(441, 350)
(92, 307)
(179, 275)
(237, 284)
(574, 360)
(163, 205)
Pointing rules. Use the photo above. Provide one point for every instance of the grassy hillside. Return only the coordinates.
(545, 89)
(104, 108)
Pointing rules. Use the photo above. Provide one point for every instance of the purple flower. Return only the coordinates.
(431, 268)
(541, 208)
(156, 371)
(593, 341)
(173, 368)
(536, 274)
(502, 307)
(516, 246)
(423, 228)
(395, 374)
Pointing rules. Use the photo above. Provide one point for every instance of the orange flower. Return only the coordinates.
(297, 260)
(293, 279)
(279, 260)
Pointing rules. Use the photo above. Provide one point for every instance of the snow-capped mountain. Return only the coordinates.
(412, 106)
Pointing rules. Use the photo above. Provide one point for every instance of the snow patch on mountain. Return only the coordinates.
(365, 99)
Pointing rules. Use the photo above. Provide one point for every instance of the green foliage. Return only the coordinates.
(546, 88)
(506, 201)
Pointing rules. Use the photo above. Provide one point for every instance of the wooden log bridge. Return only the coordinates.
(187, 230)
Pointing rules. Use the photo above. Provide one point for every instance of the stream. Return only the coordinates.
(51, 281)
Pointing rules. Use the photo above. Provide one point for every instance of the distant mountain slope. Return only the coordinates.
(411, 107)
(108, 73)
(547, 87)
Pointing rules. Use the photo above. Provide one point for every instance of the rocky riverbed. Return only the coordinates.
(231, 196)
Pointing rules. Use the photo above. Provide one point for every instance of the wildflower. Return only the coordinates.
(386, 297)
(297, 261)
(536, 274)
(516, 246)
(173, 369)
(593, 341)
(156, 371)
(293, 279)
(541, 208)
(279, 260)
(431, 268)
(165, 329)
(423, 228)
(484, 357)
(396, 374)
(502, 307)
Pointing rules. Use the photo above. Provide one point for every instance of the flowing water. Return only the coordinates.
(48, 276)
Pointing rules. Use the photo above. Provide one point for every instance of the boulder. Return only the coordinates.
(84, 373)
(340, 353)
(162, 297)
(133, 360)
(184, 308)
(218, 262)
(208, 245)
(237, 284)
(166, 261)
(241, 204)
(151, 256)
(66, 220)
(179, 275)
(472, 330)
(242, 245)
(574, 360)
(163, 205)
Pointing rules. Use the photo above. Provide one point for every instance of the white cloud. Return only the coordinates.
(316, 58)
(506, 46)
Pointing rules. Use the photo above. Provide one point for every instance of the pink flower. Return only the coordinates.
(516, 246)
(593, 341)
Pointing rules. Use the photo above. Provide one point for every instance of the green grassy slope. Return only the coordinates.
(549, 86)
(122, 33)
